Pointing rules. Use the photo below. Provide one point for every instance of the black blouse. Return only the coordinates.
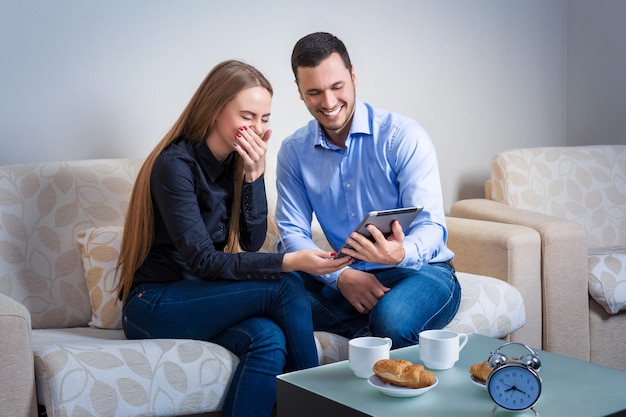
(191, 196)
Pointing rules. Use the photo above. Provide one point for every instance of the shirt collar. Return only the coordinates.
(210, 165)
(360, 125)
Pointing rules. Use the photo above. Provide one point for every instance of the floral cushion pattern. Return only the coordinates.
(100, 248)
(586, 185)
(607, 279)
(42, 207)
(96, 372)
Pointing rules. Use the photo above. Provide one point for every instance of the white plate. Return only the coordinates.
(478, 383)
(396, 391)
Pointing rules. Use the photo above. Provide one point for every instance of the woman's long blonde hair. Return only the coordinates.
(219, 87)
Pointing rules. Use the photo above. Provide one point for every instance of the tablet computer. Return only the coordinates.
(382, 219)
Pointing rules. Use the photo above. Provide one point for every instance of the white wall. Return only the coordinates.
(89, 79)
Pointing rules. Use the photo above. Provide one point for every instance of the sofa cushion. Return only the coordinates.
(42, 207)
(489, 307)
(100, 248)
(88, 371)
(584, 184)
(607, 278)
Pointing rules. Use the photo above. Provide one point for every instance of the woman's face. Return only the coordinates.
(250, 108)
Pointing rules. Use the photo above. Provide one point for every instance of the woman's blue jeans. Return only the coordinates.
(422, 299)
(266, 324)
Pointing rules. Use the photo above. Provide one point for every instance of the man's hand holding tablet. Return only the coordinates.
(383, 220)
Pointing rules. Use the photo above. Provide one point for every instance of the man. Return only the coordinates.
(352, 159)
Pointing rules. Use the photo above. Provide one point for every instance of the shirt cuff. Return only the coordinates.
(331, 279)
(411, 257)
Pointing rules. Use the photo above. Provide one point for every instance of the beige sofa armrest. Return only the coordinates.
(563, 272)
(508, 252)
(18, 396)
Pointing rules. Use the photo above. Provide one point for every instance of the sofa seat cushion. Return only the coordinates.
(88, 371)
(607, 278)
(91, 371)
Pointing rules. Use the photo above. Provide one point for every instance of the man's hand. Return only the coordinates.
(361, 289)
(389, 251)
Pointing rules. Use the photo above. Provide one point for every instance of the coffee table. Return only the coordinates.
(571, 388)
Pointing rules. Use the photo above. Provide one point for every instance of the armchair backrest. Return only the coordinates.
(584, 184)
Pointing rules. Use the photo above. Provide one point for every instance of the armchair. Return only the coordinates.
(575, 198)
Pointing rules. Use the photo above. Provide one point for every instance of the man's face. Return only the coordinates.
(328, 91)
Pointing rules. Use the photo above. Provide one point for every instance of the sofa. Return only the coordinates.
(575, 198)
(63, 352)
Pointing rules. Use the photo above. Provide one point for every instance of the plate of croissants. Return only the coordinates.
(401, 378)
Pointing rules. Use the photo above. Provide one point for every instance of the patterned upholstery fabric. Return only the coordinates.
(43, 206)
(586, 185)
(60, 226)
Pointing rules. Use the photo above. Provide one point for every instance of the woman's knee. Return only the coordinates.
(254, 335)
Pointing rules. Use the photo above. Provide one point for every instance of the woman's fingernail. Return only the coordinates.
(241, 128)
(238, 135)
(333, 254)
(245, 128)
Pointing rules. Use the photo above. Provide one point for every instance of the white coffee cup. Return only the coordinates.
(364, 352)
(439, 349)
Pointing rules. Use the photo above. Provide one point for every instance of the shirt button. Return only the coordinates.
(348, 185)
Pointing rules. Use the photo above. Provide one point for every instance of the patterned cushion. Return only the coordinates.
(100, 248)
(607, 279)
(42, 207)
(89, 371)
(489, 307)
(584, 184)
(94, 372)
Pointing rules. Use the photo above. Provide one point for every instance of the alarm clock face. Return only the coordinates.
(514, 386)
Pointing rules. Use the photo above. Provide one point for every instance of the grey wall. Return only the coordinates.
(596, 76)
(87, 79)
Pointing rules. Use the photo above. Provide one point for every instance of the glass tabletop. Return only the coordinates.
(570, 387)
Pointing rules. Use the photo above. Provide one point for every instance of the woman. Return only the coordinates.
(198, 201)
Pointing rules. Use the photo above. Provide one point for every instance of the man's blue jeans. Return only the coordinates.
(266, 324)
(418, 300)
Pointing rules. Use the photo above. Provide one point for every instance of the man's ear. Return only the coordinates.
(353, 75)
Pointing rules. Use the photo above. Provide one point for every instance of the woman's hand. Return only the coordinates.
(314, 261)
(252, 149)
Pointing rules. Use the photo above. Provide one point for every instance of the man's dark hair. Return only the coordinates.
(312, 49)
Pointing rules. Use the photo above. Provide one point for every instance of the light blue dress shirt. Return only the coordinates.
(389, 162)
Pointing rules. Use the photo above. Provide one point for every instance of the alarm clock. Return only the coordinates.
(514, 384)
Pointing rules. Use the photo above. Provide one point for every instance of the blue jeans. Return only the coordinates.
(266, 324)
(422, 299)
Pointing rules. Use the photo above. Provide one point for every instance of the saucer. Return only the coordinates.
(478, 383)
(396, 391)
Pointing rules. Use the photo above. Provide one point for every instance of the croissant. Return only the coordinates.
(403, 373)
(480, 371)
